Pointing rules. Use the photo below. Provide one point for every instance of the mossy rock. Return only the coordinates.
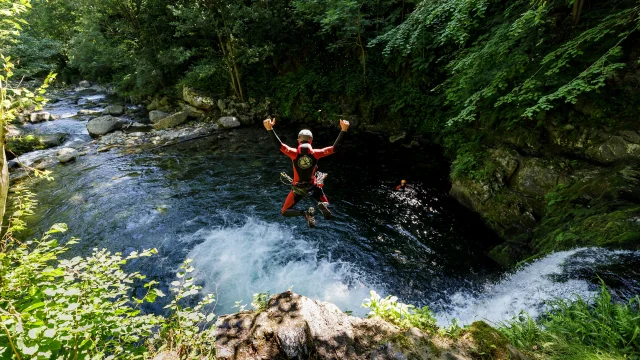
(18, 145)
(599, 211)
(489, 343)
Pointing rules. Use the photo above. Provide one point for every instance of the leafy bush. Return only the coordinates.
(403, 315)
(578, 329)
(70, 308)
(84, 308)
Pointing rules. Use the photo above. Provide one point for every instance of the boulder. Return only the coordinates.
(157, 115)
(296, 327)
(103, 125)
(51, 140)
(221, 105)
(624, 146)
(197, 100)
(397, 137)
(67, 154)
(84, 84)
(86, 112)
(114, 110)
(84, 91)
(536, 177)
(39, 116)
(159, 104)
(171, 121)
(228, 122)
(192, 111)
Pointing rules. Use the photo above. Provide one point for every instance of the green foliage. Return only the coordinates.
(69, 308)
(11, 22)
(187, 330)
(580, 330)
(19, 145)
(54, 307)
(83, 307)
(453, 331)
(260, 301)
(403, 315)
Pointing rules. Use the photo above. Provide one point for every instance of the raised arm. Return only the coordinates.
(344, 126)
(268, 124)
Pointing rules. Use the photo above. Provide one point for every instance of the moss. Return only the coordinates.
(413, 347)
(18, 145)
(596, 211)
(489, 342)
(584, 226)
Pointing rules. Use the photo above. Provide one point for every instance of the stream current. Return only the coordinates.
(217, 201)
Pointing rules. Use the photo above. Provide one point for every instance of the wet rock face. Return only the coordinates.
(103, 125)
(534, 184)
(296, 327)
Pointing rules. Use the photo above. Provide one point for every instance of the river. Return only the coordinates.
(217, 201)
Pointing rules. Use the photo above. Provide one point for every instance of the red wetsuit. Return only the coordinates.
(305, 163)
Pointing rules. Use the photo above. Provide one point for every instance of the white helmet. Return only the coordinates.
(306, 132)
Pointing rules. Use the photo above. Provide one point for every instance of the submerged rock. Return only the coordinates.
(86, 112)
(103, 125)
(67, 154)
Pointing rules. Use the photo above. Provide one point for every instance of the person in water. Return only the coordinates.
(305, 164)
(402, 186)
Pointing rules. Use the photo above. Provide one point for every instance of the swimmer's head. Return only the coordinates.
(403, 182)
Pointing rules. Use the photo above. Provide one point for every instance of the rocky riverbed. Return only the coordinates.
(41, 139)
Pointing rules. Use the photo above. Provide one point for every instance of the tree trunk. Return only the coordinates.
(363, 60)
(577, 11)
(235, 68)
(4, 171)
(228, 63)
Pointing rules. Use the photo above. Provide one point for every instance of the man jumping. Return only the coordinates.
(305, 160)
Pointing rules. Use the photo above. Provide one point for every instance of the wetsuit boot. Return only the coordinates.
(310, 216)
(324, 209)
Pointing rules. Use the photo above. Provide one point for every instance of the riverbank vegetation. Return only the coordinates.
(464, 73)
(437, 66)
(552, 80)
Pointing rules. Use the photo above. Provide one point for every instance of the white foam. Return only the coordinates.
(528, 289)
(237, 261)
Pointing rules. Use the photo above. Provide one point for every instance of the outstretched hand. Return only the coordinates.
(269, 123)
(344, 124)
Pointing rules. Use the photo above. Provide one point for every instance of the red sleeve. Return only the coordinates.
(320, 153)
(398, 187)
(289, 151)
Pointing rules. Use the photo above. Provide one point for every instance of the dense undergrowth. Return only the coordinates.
(52, 307)
(580, 329)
